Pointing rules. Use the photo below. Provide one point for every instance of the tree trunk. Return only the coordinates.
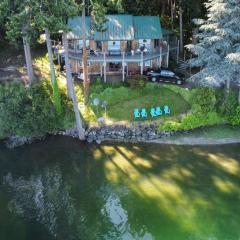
(163, 8)
(84, 56)
(171, 5)
(50, 56)
(57, 99)
(227, 90)
(181, 28)
(28, 57)
(239, 92)
(80, 128)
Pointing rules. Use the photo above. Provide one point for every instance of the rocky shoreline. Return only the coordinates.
(135, 133)
(121, 133)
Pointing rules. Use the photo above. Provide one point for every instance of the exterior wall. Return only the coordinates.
(154, 63)
(75, 66)
(123, 46)
(105, 46)
(133, 68)
(93, 45)
(135, 44)
(95, 68)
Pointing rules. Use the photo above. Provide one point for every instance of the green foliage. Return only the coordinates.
(230, 104)
(187, 94)
(29, 111)
(192, 121)
(204, 99)
(137, 81)
(235, 118)
(115, 95)
(57, 98)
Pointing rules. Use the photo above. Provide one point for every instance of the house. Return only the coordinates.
(129, 45)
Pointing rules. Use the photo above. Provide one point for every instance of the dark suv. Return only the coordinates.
(162, 75)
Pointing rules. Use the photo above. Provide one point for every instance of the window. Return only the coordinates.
(156, 43)
(99, 45)
(146, 43)
(80, 44)
(114, 45)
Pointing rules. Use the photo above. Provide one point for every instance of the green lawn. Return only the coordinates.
(123, 100)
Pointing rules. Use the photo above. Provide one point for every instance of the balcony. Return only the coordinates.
(127, 57)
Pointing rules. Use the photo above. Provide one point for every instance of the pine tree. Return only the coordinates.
(17, 17)
(218, 50)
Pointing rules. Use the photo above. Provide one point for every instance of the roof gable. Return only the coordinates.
(119, 27)
(147, 27)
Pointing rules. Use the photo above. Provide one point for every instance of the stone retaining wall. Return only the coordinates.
(138, 133)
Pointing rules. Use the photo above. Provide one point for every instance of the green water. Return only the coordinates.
(62, 189)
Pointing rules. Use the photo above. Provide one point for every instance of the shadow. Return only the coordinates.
(121, 191)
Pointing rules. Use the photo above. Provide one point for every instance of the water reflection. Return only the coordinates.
(43, 198)
(121, 191)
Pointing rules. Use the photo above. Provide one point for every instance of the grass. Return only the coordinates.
(123, 100)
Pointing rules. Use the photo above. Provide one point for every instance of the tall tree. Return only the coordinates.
(46, 19)
(80, 128)
(18, 18)
(218, 50)
(98, 15)
(53, 16)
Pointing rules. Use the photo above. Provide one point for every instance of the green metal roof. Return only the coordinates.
(119, 27)
(147, 27)
(166, 31)
(75, 24)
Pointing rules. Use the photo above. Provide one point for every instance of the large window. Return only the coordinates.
(145, 43)
(80, 44)
(114, 45)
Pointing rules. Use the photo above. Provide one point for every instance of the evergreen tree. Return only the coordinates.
(218, 50)
(17, 16)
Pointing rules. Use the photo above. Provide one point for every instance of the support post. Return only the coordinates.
(178, 46)
(141, 63)
(160, 58)
(167, 55)
(123, 66)
(104, 67)
(101, 70)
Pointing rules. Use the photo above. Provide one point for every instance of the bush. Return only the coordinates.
(204, 99)
(235, 118)
(194, 120)
(29, 111)
(137, 81)
(185, 93)
(230, 104)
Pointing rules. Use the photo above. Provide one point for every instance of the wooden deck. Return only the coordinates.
(126, 57)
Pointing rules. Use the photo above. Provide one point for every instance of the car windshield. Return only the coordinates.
(167, 73)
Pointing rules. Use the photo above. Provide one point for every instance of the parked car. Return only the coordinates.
(162, 75)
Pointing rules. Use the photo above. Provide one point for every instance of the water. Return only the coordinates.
(63, 189)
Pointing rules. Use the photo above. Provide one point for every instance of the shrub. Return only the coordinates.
(230, 104)
(194, 120)
(235, 118)
(197, 120)
(170, 126)
(185, 93)
(137, 81)
(29, 111)
(205, 100)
